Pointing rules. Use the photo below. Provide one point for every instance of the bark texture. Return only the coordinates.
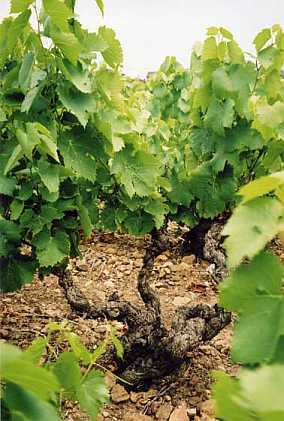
(150, 350)
(205, 241)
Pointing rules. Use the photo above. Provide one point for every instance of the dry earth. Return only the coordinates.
(111, 262)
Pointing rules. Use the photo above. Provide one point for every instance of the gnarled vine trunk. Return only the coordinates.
(150, 350)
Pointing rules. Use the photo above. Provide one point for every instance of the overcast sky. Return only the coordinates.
(149, 30)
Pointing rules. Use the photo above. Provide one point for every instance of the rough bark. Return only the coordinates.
(206, 242)
(150, 350)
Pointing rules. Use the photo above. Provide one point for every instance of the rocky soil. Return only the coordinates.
(109, 263)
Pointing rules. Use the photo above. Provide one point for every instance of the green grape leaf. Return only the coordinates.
(77, 75)
(235, 53)
(16, 207)
(15, 272)
(25, 374)
(85, 220)
(51, 249)
(256, 394)
(230, 403)
(36, 85)
(7, 185)
(35, 350)
(27, 141)
(67, 43)
(19, 6)
(220, 115)
(17, 27)
(113, 55)
(47, 142)
(139, 225)
(256, 222)
(78, 103)
(67, 371)
(92, 394)
(221, 83)
(78, 153)
(26, 406)
(261, 186)
(117, 344)
(137, 172)
(25, 73)
(268, 118)
(59, 13)
(226, 34)
(158, 209)
(78, 347)
(262, 38)
(209, 51)
(49, 175)
(180, 191)
(254, 291)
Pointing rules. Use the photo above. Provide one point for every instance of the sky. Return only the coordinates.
(149, 30)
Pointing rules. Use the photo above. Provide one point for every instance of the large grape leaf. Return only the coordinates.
(113, 55)
(78, 103)
(49, 174)
(78, 151)
(51, 249)
(256, 394)
(261, 39)
(67, 43)
(19, 6)
(59, 13)
(209, 51)
(261, 186)
(92, 394)
(220, 115)
(254, 291)
(7, 185)
(221, 83)
(15, 271)
(255, 222)
(268, 118)
(77, 75)
(24, 405)
(137, 171)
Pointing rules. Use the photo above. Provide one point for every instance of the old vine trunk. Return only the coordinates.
(150, 350)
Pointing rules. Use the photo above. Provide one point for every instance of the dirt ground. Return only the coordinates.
(111, 262)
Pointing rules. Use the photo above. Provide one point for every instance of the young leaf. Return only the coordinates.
(35, 350)
(92, 394)
(78, 347)
(67, 371)
(117, 344)
(19, 6)
(262, 38)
